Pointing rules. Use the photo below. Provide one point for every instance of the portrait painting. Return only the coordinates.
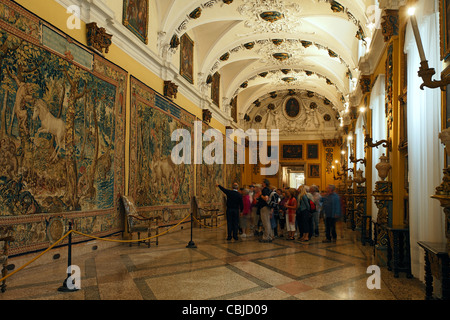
(187, 58)
(135, 18)
(215, 88)
(292, 107)
(292, 151)
(314, 171)
(444, 16)
(312, 151)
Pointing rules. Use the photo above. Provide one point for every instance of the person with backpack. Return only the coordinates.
(303, 214)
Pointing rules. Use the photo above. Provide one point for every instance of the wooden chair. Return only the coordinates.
(5, 237)
(137, 223)
(204, 213)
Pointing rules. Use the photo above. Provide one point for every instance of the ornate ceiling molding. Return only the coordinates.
(278, 78)
(266, 47)
(271, 16)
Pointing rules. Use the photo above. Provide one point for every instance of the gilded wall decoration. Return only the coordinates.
(155, 181)
(135, 18)
(329, 159)
(62, 131)
(389, 85)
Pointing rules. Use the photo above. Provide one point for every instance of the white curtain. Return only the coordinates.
(379, 131)
(359, 141)
(425, 151)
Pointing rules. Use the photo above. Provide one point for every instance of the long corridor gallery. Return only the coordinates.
(246, 150)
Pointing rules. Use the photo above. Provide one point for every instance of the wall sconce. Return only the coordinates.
(385, 143)
(353, 160)
(425, 72)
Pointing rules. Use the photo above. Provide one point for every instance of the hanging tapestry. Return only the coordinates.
(61, 133)
(157, 185)
(208, 176)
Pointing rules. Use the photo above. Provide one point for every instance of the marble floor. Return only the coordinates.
(218, 270)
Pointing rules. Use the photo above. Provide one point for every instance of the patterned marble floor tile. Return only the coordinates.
(199, 285)
(217, 270)
(300, 264)
(267, 275)
(294, 287)
(264, 294)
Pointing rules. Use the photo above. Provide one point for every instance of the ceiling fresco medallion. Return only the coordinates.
(281, 56)
(288, 79)
(292, 107)
(271, 16)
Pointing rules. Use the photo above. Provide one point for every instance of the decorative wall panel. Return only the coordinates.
(157, 184)
(61, 133)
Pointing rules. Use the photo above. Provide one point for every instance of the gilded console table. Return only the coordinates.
(437, 265)
(398, 250)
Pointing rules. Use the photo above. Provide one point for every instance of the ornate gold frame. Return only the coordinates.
(309, 170)
(143, 38)
(444, 26)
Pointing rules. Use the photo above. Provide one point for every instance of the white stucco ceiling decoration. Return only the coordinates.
(318, 41)
(316, 118)
(271, 16)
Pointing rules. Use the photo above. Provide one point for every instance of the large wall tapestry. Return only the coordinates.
(61, 134)
(208, 175)
(157, 185)
(135, 17)
(234, 171)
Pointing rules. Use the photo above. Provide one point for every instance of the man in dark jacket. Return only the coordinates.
(332, 212)
(234, 206)
(266, 212)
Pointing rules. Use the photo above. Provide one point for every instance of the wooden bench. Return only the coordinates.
(202, 213)
(137, 223)
(5, 237)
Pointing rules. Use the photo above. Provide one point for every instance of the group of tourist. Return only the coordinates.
(269, 212)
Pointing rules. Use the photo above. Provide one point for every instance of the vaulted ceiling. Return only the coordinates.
(263, 46)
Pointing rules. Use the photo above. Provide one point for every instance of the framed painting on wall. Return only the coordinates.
(312, 151)
(292, 151)
(215, 88)
(135, 18)
(292, 107)
(187, 58)
(314, 170)
(446, 124)
(444, 16)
